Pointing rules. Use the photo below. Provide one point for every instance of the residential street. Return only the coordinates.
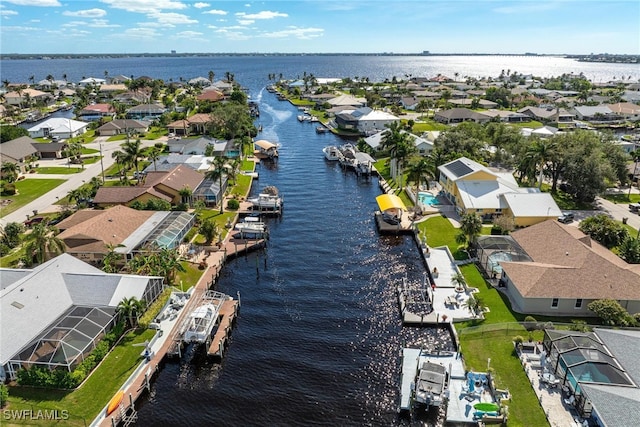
(46, 202)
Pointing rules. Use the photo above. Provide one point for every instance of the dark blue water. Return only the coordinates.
(319, 335)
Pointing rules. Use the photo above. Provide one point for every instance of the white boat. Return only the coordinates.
(348, 157)
(332, 153)
(266, 201)
(252, 174)
(431, 384)
(252, 226)
(201, 322)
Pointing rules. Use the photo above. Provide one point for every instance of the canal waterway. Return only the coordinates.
(319, 334)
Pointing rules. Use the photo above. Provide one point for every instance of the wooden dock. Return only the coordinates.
(227, 315)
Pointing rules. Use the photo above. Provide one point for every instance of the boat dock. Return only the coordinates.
(227, 316)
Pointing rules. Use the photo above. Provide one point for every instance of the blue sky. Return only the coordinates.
(300, 26)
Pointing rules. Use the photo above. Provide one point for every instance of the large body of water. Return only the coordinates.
(319, 335)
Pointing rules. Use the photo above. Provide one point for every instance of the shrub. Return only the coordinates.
(579, 326)
(4, 395)
(549, 325)
(518, 339)
(530, 323)
(8, 189)
(233, 204)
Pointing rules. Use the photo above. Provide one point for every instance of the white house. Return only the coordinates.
(57, 126)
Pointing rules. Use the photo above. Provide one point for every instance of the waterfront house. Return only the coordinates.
(55, 314)
(474, 188)
(459, 115)
(550, 115)
(507, 116)
(96, 112)
(211, 95)
(196, 162)
(562, 271)
(424, 146)
(599, 372)
(146, 112)
(468, 102)
(599, 114)
(162, 185)
(18, 151)
(210, 191)
(364, 120)
(347, 101)
(91, 81)
(58, 127)
(627, 110)
(19, 98)
(88, 233)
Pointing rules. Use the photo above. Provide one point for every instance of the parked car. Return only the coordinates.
(33, 221)
(634, 207)
(566, 217)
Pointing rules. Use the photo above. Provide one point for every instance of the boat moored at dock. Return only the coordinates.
(331, 153)
(252, 226)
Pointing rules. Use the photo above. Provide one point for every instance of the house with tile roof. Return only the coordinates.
(58, 126)
(459, 115)
(474, 188)
(97, 111)
(565, 270)
(162, 185)
(121, 126)
(88, 233)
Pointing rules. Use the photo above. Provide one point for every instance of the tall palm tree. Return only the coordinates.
(397, 142)
(120, 158)
(185, 195)
(43, 242)
(420, 169)
(539, 153)
(133, 153)
(470, 228)
(153, 154)
(209, 229)
(218, 173)
(169, 264)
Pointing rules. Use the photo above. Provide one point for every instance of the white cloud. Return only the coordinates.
(265, 14)
(171, 18)
(72, 24)
(102, 23)
(526, 8)
(245, 21)
(4, 12)
(88, 13)
(232, 35)
(295, 32)
(145, 6)
(43, 3)
(141, 33)
(17, 28)
(188, 34)
(215, 12)
(200, 5)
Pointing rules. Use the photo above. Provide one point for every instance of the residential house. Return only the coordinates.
(90, 234)
(365, 120)
(96, 112)
(163, 185)
(58, 127)
(468, 102)
(196, 162)
(51, 150)
(599, 371)
(18, 151)
(199, 81)
(199, 122)
(459, 115)
(423, 146)
(627, 110)
(549, 115)
(145, 112)
(91, 81)
(55, 314)
(210, 191)
(190, 145)
(122, 126)
(567, 271)
(347, 101)
(179, 127)
(474, 188)
(25, 97)
(507, 116)
(212, 95)
(223, 86)
(597, 114)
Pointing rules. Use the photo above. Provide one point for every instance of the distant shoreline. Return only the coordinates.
(603, 58)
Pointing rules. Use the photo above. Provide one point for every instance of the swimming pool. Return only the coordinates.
(428, 199)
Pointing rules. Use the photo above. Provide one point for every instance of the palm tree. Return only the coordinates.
(169, 263)
(398, 143)
(153, 154)
(539, 153)
(112, 258)
(121, 159)
(211, 76)
(458, 281)
(185, 195)
(43, 242)
(209, 229)
(9, 171)
(473, 304)
(217, 173)
(470, 228)
(133, 153)
(419, 169)
(131, 308)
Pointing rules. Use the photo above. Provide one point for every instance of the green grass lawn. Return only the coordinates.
(85, 150)
(188, 278)
(622, 198)
(84, 403)
(27, 191)
(62, 170)
(428, 125)
(242, 185)
(440, 232)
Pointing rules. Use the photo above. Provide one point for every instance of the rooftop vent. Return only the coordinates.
(17, 305)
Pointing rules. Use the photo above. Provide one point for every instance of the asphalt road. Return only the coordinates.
(46, 202)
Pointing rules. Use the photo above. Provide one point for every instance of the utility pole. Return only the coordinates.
(101, 164)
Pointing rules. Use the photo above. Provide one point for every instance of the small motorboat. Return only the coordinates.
(332, 153)
(252, 226)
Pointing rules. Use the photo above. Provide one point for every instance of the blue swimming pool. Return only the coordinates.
(427, 199)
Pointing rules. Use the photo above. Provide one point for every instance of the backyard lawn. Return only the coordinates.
(84, 403)
(58, 170)
(27, 191)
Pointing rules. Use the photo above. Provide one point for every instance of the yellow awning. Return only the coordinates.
(264, 144)
(390, 201)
